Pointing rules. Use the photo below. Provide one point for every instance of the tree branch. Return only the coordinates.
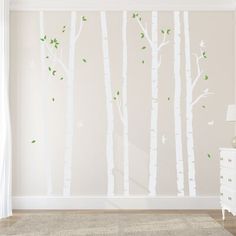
(80, 29)
(159, 62)
(205, 94)
(199, 71)
(163, 43)
(145, 32)
(119, 110)
(57, 59)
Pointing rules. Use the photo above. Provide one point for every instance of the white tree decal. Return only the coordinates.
(190, 103)
(156, 62)
(52, 52)
(124, 106)
(177, 107)
(46, 147)
(109, 107)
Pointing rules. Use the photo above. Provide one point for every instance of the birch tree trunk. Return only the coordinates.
(5, 125)
(46, 152)
(189, 110)
(177, 107)
(124, 106)
(109, 107)
(154, 109)
(70, 108)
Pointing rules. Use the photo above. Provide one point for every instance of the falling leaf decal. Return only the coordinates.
(84, 60)
(84, 18)
(209, 155)
(118, 93)
(33, 141)
(114, 98)
(162, 31)
(142, 35)
(53, 99)
(168, 98)
(49, 68)
(168, 31)
(144, 47)
(206, 77)
(54, 73)
(143, 61)
(47, 57)
(204, 55)
(203, 106)
(61, 78)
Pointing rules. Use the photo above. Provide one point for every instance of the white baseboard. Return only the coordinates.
(117, 202)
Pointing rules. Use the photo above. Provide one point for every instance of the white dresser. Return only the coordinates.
(228, 180)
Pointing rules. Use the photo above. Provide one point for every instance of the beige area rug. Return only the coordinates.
(114, 224)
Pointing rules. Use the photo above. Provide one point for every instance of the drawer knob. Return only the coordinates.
(229, 180)
(230, 198)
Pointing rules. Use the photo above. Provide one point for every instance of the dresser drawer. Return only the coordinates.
(228, 178)
(228, 197)
(228, 159)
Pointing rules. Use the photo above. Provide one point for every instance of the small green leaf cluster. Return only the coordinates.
(166, 31)
(54, 42)
(136, 15)
(44, 38)
(53, 72)
(117, 95)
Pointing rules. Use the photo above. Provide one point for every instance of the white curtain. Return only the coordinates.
(5, 128)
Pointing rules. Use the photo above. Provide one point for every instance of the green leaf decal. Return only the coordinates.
(168, 31)
(61, 78)
(53, 99)
(54, 73)
(168, 98)
(47, 57)
(84, 18)
(162, 31)
(84, 60)
(49, 68)
(209, 155)
(144, 47)
(114, 98)
(42, 39)
(142, 35)
(203, 106)
(143, 61)
(45, 37)
(33, 141)
(204, 55)
(140, 18)
(206, 77)
(118, 93)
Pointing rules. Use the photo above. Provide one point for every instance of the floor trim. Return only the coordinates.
(116, 202)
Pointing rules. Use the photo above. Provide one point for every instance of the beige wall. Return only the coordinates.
(36, 117)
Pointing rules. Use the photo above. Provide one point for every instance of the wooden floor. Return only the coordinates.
(229, 223)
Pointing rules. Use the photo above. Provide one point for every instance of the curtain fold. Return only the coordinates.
(5, 127)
